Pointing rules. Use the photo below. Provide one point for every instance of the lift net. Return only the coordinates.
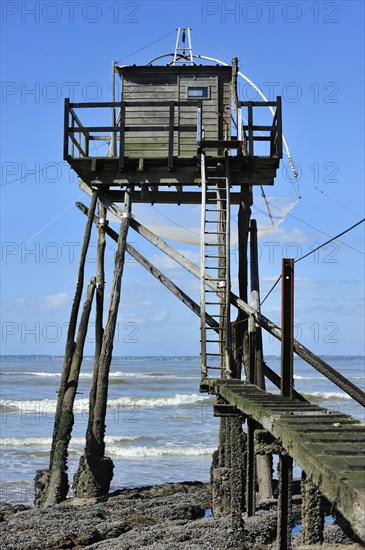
(182, 223)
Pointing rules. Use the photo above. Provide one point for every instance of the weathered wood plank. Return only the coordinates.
(58, 480)
(70, 341)
(319, 461)
(105, 357)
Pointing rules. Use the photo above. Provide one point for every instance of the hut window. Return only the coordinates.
(198, 91)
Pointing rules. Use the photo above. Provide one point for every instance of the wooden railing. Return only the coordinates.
(270, 133)
(79, 136)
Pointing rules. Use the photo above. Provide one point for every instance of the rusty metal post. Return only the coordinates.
(285, 461)
(287, 327)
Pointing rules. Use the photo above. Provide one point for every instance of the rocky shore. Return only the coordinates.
(173, 516)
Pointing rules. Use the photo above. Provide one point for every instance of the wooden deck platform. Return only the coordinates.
(328, 446)
(106, 172)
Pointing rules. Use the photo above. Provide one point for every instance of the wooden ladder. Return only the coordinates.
(215, 266)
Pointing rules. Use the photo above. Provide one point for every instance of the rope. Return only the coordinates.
(312, 252)
(147, 46)
(330, 240)
(267, 205)
(270, 291)
(335, 200)
(316, 229)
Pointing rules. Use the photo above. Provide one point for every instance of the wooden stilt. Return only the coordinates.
(285, 502)
(42, 477)
(237, 479)
(244, 214)
(250, 469)
(70, 341)
(58, 482)
(99, 330)
(108, 336)
(95, 470)
(312, 513)
(263, 462)
(255, 300)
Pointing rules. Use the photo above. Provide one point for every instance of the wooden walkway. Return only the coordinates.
(328, 446)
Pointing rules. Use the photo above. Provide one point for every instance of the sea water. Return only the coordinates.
(159, 427)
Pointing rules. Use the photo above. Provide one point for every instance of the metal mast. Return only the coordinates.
(183, 51)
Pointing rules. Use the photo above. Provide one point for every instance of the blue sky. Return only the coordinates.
(311, 53)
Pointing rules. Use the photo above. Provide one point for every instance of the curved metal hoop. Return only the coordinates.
(249, 81)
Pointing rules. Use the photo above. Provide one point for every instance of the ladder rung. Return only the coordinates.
(216, 354)
(214, 232)
(215, 341)
(213, 303)
(210, 256)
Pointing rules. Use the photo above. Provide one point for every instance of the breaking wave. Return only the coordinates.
(47, 441)
(48, 406)
(141, 452)
(117, 374)
(326, 396)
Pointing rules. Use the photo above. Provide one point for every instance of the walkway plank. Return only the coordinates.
(329, 446)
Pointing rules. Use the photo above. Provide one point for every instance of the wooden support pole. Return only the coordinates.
(95, 470)
(250, 469)
(242, 333)
(234, 95)
(237, 477)
(58, 481)
(255, 300)
(285, 502)
(252, 373)
(312, 512)
(263, 462)
(287, 327)
(70, 339)
(99, 330)
(108, 336)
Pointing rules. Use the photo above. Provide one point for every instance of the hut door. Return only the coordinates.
(192, 88)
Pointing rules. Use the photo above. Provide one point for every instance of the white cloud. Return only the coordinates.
(21, 301)
(54, 301)
(285, 236)
(159, 317)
